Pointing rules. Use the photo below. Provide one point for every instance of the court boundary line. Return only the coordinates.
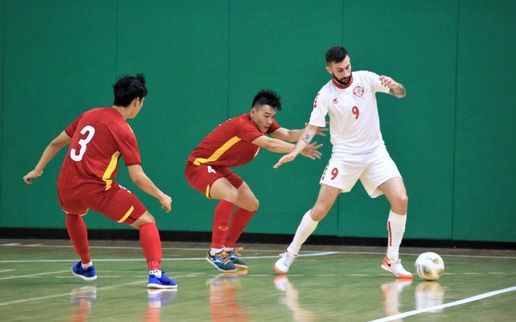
(443, 306)
(21, 261)
(35, 274)
(65, 294)
(303, 253)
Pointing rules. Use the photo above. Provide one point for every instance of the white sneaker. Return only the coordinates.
(283, 264)
(395, 267)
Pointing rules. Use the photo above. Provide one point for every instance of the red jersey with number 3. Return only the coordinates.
(99, 137)
(229, 145)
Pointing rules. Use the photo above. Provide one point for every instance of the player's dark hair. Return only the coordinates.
(127, 88)
(267, 97)
(336, 54)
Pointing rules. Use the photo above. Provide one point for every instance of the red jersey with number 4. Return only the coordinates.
(99, 137)
(229, 145)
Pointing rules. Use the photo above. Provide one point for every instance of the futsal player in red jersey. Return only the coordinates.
(97, 139)
(233, 143)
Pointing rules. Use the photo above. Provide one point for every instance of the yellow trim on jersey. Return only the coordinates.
(129, 212)
(220, 151)
(110, 169)
(207, 193)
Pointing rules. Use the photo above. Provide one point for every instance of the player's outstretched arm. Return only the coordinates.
(50, 152)
(396, 89)
(145, 183)
(303, 146)
(293, 135)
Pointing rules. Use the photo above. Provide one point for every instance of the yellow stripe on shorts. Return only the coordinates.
(127, 214)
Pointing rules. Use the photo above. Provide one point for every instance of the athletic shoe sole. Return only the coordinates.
(161, 286)
(277, 270)
(84, 277)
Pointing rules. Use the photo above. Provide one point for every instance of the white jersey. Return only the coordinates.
(354, 121)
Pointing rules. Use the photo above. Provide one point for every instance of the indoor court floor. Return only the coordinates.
(326, 283)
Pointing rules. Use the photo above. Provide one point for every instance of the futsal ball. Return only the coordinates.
(429, 266)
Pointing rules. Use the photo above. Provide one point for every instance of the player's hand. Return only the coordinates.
(311, 151)
(320, 130)
(389, 82)
(285, 159)
(166, 203)
(32, 175)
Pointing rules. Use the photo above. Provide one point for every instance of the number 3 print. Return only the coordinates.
(82, 142)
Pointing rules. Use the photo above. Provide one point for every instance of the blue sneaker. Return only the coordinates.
(235, 259)
(161, 282)
(221, 262)
(88, 274)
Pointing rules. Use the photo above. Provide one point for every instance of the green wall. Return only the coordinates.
(452, 137)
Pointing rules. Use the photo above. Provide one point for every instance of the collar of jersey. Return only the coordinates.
(340, 86)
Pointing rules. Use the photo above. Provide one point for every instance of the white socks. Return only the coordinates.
(156, 273)
(87, 265)
(214, 251)
(395, 229)
(304, 230)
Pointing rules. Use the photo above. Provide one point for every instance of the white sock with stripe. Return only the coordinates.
(395, 229)
(304, 230)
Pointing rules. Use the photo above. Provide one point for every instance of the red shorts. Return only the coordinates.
(118, 203)
(201, 177)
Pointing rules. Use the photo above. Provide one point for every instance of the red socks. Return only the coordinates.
(237, 225)
(78, 236)
(220, 223)
(151, 245)
(149, 239)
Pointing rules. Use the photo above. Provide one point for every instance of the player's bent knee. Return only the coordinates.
(319, 212)
(252, 205)
(400, 204)
(145, 218)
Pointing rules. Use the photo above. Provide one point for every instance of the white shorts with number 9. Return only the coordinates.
(372, 170)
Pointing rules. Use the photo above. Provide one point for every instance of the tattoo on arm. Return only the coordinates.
(398, 92)
(307, 138)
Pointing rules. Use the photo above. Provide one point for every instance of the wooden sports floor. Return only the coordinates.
(327, 283)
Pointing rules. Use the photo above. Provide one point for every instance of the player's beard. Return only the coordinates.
(344, 80)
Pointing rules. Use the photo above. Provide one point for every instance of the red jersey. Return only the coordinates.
(229, 145)
(99, 137)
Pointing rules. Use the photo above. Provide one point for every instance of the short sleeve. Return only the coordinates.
(128, 146)
(376, 86)
(70, 129)
(248, 132)
(318, 116)
(274, 126)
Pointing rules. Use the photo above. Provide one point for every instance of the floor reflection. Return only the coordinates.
(83, 298)
(429, 294)
(156, 299)
(392, 292)
(223, 293)
(290, 298)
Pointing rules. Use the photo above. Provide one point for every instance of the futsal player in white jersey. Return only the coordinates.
(358, 153)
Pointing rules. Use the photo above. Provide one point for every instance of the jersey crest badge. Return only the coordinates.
(358, 91)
